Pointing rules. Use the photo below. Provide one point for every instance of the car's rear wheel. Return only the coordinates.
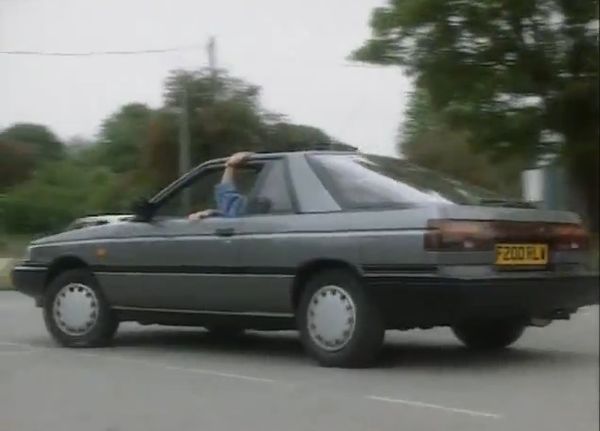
(482, 334)
(339, 324)
(75, 311)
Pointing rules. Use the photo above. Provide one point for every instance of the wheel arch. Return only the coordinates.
(308, 269)
(62, 264)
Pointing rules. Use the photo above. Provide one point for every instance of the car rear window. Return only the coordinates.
(274, 190)
(367, 181)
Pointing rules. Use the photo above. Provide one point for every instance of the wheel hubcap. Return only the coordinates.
(75, 309)
(331, 317)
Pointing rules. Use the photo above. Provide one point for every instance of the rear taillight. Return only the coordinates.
(459, 235)
(481, 235)
(570, 237)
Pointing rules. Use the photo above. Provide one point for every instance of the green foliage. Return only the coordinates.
(37, 138)
(16, 163)
(123, 136)
(224, 112)
(294, 136)
(520, 76)
(429, 141)
(224, 116)
(136, 153)
(160, 163)
(56, 194)
(22, 147)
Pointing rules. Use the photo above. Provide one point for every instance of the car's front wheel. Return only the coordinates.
(482, 334)
(75, 311)
(339, 324)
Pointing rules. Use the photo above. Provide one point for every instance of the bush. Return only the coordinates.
(58, 193)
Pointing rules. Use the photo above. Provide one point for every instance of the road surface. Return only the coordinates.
(156, 378)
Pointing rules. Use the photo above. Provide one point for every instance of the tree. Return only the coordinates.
(295, 136)
(224, 112)
(137, 151)
(57, 193)
(23, 146)
(39, 139)
(123, 136)
(78, 145)
(160, 162)
(16, 163)
(225, 116)
(520, 76)
(428, 140)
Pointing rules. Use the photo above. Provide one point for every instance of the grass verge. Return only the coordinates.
(12, 248)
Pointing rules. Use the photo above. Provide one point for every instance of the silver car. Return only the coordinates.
(339, 245)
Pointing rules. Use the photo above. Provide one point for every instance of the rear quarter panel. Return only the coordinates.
(359, 238)
(276, 247)
(393, 239)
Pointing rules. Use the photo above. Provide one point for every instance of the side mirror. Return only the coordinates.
(143, 210)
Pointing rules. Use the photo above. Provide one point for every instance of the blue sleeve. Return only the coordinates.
(230, 203)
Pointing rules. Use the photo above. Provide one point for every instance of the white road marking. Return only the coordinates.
(435, 406)
(16, 352)
(204, 371)
(29, 349)
(221, 374)
(8, 343)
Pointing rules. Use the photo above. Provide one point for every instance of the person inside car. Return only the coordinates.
(230, 202)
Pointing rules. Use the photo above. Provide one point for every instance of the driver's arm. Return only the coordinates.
(203, 214)
(230, 203)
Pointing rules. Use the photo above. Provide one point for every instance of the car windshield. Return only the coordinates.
(368, 181)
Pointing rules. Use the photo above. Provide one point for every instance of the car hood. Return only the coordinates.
(86, 233)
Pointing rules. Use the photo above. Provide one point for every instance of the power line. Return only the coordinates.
(142, 52)
(101, 53)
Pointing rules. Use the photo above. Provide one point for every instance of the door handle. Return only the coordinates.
(225, 231)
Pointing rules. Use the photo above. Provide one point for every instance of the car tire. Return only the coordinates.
(339, 324)
(76, 312)
(488, 334)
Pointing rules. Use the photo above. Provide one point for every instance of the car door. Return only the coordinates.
(173, 263)
(266, 248)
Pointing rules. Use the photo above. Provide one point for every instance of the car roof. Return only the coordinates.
(265, 155)
(256, 156)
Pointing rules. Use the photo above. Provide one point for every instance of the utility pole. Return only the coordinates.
(211, 49)
(184, 142)
(184, 132)
(184, 126)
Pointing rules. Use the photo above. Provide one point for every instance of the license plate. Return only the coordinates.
(521, 254)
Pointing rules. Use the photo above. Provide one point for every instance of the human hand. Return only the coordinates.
(237, 158)
(201, 215)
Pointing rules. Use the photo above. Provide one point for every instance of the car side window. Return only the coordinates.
(200, 194)
(272, 194)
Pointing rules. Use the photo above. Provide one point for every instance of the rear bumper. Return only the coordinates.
(30, 280)
(430, 300)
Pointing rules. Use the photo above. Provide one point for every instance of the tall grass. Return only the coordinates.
(13, 245)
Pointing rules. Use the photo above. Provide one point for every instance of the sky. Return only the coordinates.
(296, 51)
